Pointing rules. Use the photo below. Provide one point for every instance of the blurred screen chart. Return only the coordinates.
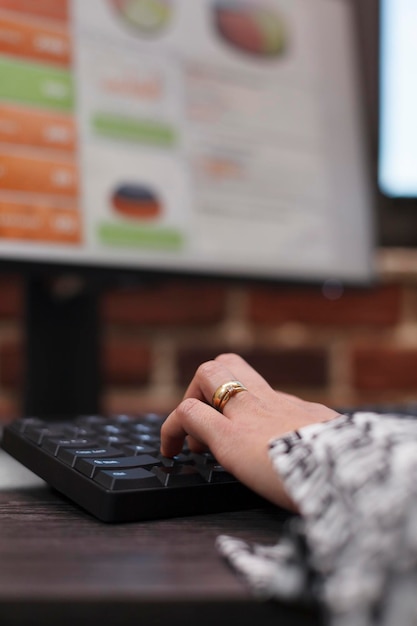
(145, 16)
(250, 27)
(140, 133)
(39, 178)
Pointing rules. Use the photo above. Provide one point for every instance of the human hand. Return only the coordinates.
(238, 437)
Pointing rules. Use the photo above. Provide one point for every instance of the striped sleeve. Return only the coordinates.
(355, 545)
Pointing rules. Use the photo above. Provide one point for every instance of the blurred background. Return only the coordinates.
(340, 345)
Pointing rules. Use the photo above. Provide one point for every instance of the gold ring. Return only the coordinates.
(223, 394)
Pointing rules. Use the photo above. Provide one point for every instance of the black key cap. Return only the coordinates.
(91, 421)
(120, 419)
(117, 480)
(146, 439)
(38, 434)
(111, 429)
(90, 466)
(113, 440)
(143, 429)
(53, 444)
(183, 459)
(70, 455)
(78, 431)
(214, 473)
(178, 476)
(140, 449)
(28, 422)
(203, 458)
(153, 418)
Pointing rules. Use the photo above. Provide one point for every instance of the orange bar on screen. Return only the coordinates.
(39, 222)
(64, 226)
(32, 128)
(55, 9)
(55, 177)
(30, 41)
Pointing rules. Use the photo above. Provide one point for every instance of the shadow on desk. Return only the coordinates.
(60, 566)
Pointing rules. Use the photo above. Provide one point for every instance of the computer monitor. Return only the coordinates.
(387, 52)
(200, 137)
(397, 171)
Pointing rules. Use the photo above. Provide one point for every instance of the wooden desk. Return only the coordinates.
(60, 566)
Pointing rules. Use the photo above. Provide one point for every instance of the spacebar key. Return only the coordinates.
(118, 480)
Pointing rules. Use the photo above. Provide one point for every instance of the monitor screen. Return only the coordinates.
(398, 98)
(218, 137)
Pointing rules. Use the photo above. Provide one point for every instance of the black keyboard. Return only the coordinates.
(112, 468)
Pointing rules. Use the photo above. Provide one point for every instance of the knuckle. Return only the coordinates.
(207, 369)
(188, 408)
(227, 358)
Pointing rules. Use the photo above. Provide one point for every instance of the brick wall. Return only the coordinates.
(341, 349)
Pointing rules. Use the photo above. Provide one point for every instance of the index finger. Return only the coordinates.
(196, 419)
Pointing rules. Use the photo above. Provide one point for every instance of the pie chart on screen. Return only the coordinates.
(253, 28)
(136, 201)
(145, 16)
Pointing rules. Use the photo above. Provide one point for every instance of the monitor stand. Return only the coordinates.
(62, 335)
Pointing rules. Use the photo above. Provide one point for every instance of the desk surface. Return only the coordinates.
(61, 566)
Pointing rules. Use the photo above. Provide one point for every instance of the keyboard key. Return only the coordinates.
(146, 439)
(114, 440)
(122, 419)
(111, 429)
(134, 449)
(153, 418)
(53, 444)
(118, 480)
(179, 459)
(143, 429)
(215, 473)
(91, 420)
(203, 458)
(37, 434)
(178, 476)
(78, 431)
(28, 422)
(90, 466)
(70, 455)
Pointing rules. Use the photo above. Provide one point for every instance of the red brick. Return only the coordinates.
(11, 296)
(377, 306)
(173, 303)
(384, 369)
(9, 409)
(301, 367)
(126, 362)
(11, 364)
(134, 401)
